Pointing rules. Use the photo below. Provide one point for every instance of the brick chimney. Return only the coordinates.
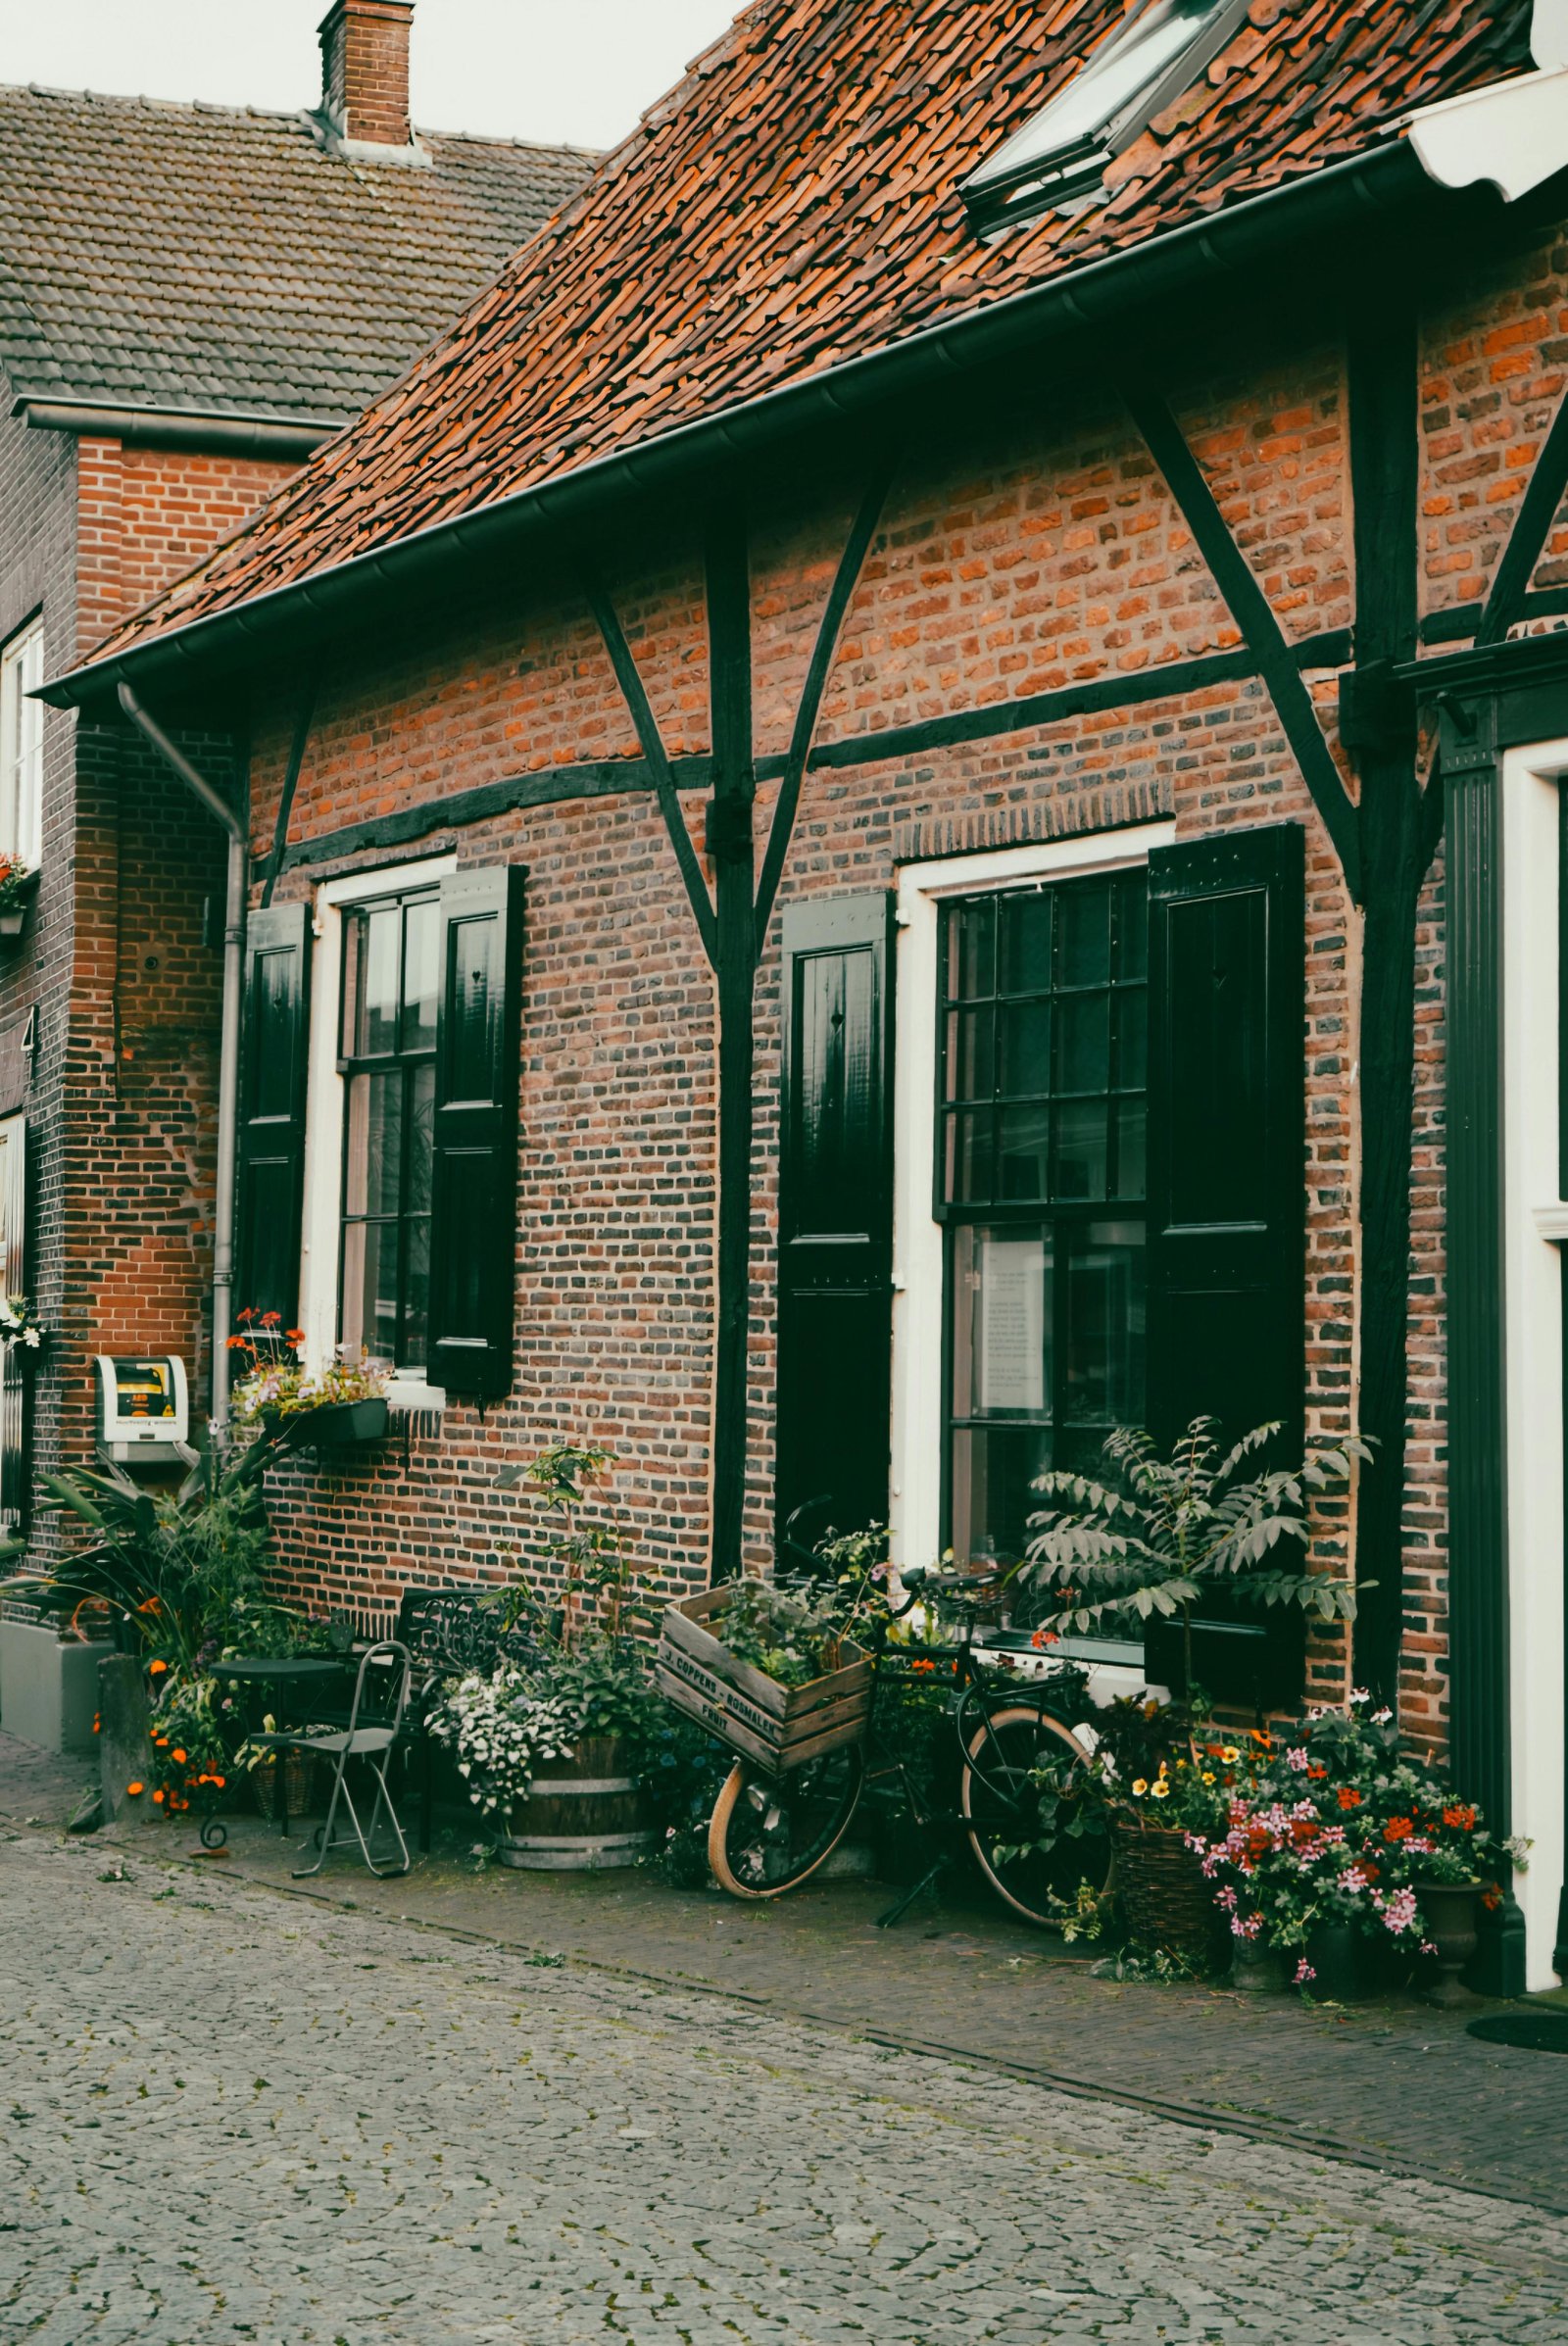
(365, 71)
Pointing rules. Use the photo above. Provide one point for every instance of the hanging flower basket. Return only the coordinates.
(1165, 1896)
(18, 888)
(339, 1423)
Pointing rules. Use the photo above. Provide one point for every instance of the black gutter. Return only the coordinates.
(1342, 196)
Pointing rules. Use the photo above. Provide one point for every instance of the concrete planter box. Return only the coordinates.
(48, 1691)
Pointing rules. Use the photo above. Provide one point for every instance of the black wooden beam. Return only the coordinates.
(285, 803)
(1549, 480)
(1252, 613)
(727, 582)
(658, 761)
(1459, 624)
(610, 777)
(1379, 727)
(847, 577)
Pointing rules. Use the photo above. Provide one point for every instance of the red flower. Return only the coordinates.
(1461, 1820)
(1492, 1898)
(1399, 1828)
(1349, 1796)
(1316, 1768)
(1044, 1636)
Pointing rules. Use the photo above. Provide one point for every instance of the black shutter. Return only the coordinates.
(1227, 1186)
(271, 1122)
(835, 1217)
(474, 1199)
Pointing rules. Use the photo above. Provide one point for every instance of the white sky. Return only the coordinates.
(580, 70)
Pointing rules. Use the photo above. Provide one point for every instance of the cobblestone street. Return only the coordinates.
(235, 2117)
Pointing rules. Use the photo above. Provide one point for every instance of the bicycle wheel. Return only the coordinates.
(997, 1802)
(768, 1833)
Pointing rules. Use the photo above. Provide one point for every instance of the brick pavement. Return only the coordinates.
(1398, 2086)
(235, 2119)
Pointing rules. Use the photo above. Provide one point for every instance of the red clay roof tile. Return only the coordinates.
(794, 202)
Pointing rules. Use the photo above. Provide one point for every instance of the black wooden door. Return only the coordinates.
(835, 1217)
(1227, 1184)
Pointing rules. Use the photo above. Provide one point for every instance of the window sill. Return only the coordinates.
(407, 1395)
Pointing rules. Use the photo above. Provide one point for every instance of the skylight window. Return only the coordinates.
(1158, 50)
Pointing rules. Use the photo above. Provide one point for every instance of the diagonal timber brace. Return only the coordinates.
(1249, 607)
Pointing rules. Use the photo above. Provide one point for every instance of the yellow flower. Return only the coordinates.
(1163, 1791)
(1140, 1786)
(1179, 1763)
(1208, 1775)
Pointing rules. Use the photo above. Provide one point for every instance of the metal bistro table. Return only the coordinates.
(311, 1674)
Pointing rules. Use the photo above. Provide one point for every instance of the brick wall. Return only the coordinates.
(37, 578)
(1049, 554)
(147, 514)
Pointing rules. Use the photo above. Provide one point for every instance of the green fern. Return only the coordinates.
(1109, 1555)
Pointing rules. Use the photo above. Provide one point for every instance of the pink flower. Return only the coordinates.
(1297, 1758)
(1303, 1973)
(1354, 1880)
(1397, 1912)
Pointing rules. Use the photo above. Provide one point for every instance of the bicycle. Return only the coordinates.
(771, 1831)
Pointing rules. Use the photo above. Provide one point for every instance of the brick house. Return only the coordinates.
(192, 299)
(879, 799)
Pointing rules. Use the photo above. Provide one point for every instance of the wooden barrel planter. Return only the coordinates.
(1164, 1895)
(584, 1815)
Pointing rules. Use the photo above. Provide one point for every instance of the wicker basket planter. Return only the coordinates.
(1166, 1900)
(299, 1783)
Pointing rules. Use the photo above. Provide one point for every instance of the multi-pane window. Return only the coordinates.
(1041, 1182)
(22, 746)
(387, 1061)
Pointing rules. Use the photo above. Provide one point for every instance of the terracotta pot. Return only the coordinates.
(1451, 1911)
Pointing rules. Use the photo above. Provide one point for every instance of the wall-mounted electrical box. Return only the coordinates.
(144, 1410)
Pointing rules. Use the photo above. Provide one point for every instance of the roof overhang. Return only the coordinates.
(283, 437)
(1387, 178)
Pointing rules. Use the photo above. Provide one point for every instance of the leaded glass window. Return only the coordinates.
(387, 1061)
(1041, 1182)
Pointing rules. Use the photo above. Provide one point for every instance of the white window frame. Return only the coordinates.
(22, 746)
(1535, 1230)
(321, 1235)
(920, 1329)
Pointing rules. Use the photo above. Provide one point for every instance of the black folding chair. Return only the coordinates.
(376, 1724)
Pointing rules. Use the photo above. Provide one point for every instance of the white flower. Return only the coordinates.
(31, 1340)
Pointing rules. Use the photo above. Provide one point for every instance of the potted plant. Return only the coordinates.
(558, 1750)
(1336, 1840)
(344, 1403)
(19, 884)
(1148, 1545)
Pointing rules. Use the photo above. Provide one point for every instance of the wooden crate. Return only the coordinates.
(779, 1727)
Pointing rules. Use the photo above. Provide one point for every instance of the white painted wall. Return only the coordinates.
(1534, 1214)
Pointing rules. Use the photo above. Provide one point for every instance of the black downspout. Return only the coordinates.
(730, 851)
